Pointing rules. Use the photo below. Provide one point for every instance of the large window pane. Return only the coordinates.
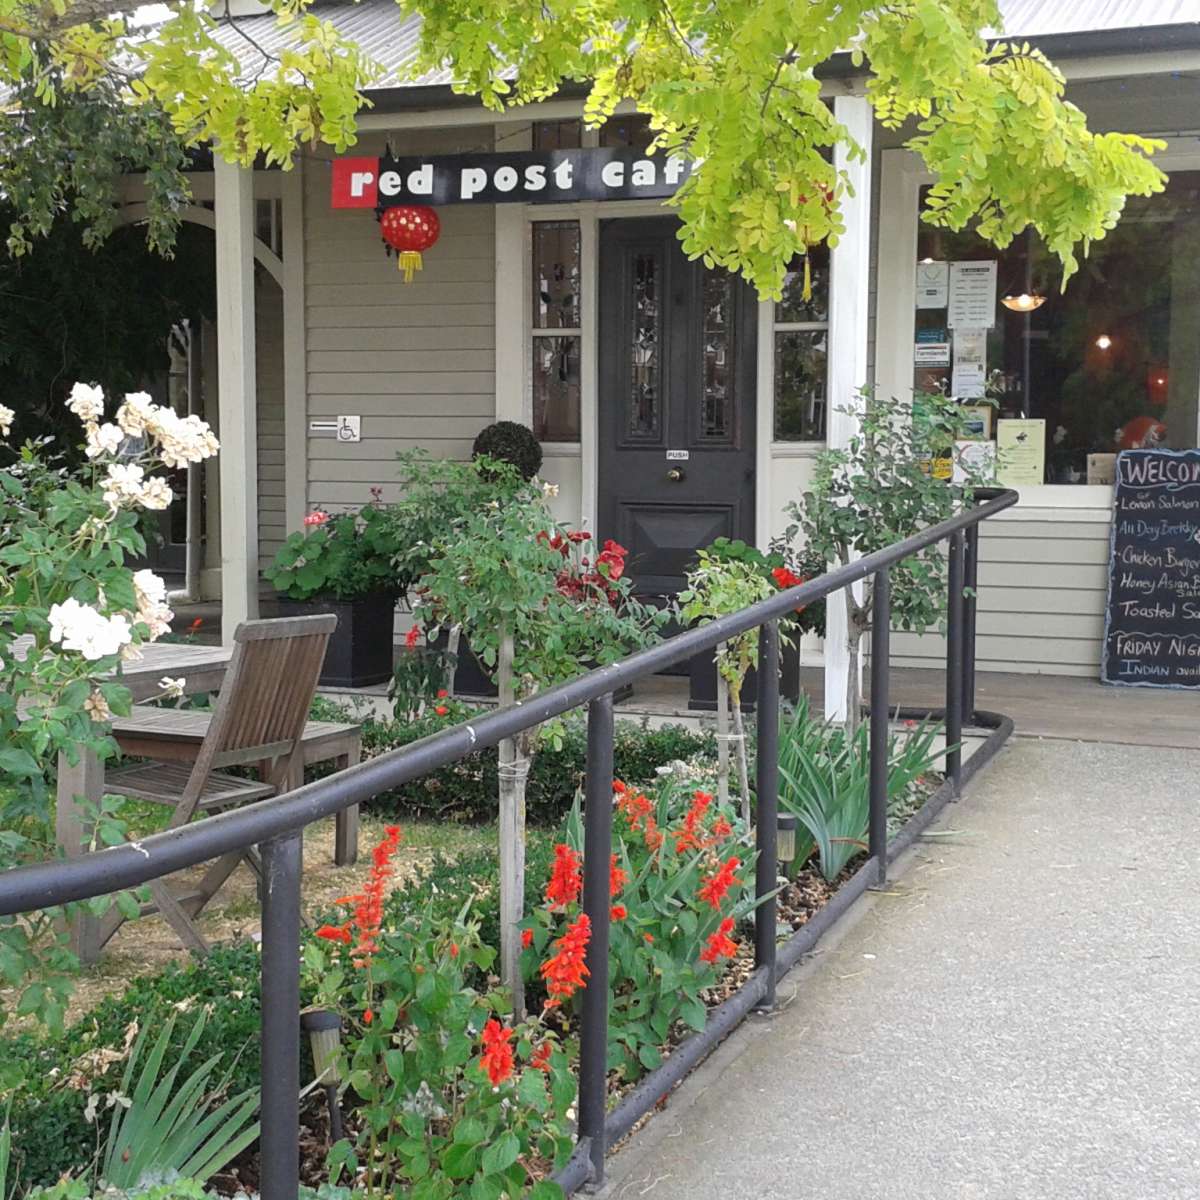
(800, 372)
(556, 275)
(556, 389)
(1112, 361)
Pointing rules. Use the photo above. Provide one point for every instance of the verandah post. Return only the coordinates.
(597, 854)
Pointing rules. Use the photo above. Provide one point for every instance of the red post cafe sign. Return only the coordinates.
(523, 177)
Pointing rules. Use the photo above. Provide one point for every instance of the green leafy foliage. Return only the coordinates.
(825, 781)
(439, 1116)
(668, 844)
(344, 557)
(467, 790)
(784, 567)
(878, 490)
(56, 1070)
(161, 1126)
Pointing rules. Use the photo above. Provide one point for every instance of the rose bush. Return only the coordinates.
(71, 611)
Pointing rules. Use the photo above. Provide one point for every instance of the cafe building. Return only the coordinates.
(672, 405)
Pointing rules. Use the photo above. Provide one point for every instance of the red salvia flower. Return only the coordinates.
(453, 949)
(497, 1056)
(336, 933)
(565, 880)
(712, 890)
(618, 912)
(540, 1061)
(649, 938)
(689, 837)
(618, 877)
(368, 904)
(721, 828)
(720, 944)
(566, 971)
(526, 938)
(410, 638)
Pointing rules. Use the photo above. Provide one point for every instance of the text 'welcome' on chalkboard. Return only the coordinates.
(1152, 622)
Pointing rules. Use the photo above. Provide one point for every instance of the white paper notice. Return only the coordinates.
(931, 354)
(970, 363)
(933, 284)
(975, 461)
(972, 294)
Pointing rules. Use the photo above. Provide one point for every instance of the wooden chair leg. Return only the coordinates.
(345, 841)
(174, 915)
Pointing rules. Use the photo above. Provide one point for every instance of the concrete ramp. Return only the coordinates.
(1017, 1018)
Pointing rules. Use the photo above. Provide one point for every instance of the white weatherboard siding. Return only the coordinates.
(1042, 583)
(268, 336)
(416, 361)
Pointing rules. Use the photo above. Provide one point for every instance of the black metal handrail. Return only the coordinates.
(276, 825)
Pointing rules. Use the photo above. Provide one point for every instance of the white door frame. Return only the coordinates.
(514, 372)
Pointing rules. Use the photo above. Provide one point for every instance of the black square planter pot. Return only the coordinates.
(702, 689)
(360, 648)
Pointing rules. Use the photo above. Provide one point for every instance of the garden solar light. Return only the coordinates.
(324, 1031)
(786, 837)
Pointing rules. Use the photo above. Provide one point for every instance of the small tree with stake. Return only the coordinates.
(538, 607)
(881, 488)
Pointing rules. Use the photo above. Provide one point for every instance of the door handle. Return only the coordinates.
(676, 475)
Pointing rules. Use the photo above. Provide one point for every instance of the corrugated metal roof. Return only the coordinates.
(390, 38)
(1041, 18)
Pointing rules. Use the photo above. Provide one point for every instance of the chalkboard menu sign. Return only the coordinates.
(1152, 622)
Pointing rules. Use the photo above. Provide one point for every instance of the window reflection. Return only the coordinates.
(556, 389)
(644, 400)
(715, 422)
(556, 275)
(800, 373)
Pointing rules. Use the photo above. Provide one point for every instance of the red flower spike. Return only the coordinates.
(618, 877)
(714, 887)
(566, 972)
(526, 938)
(335, 933)
(410, 638)
(689, 838)
(720, 944)
(540, 1061)
(497, 1056)
(368, 904)
(565, 880)
(618, 912)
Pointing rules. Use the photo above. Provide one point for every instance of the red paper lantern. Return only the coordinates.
(408, 229)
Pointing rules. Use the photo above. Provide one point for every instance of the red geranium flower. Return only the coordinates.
(618, 912)
(720, 944)
(497, 1056)
(712, 890)
(526, 938)
(442, 693)
(441, 710)
(317, 517)
(566, 971)
(565, 880)
(410, 638)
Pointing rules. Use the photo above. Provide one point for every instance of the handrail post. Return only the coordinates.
(766, 817)
(881, 653)
(597, 854)
(280, 1170)
(954, 661)
(970, 607)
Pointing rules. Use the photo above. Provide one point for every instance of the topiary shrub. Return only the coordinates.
(510, 442)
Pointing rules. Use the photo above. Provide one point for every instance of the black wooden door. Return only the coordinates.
(676, 402)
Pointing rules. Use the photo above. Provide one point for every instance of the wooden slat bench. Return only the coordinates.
(176, 735)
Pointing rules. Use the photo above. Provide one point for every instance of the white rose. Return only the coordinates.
(172, 688)
(87, 402)
(6, 420)
(134, 415)
(103, 439)
(150, 588)
(80, 628)
(156, 494)
(123, 484)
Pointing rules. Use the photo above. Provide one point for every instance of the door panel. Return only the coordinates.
(676, 401)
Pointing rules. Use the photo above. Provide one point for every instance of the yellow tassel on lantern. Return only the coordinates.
(409, 261)
(807, 293)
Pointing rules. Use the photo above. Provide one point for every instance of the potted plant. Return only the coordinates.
(343, 564)
(782, 570)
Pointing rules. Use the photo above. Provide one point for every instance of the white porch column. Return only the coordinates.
(234, 196)
(849, 293)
